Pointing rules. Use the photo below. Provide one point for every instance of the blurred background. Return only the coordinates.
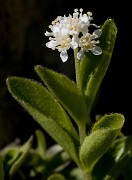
(22, 46)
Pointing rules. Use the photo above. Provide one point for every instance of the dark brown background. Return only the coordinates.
(22, 46)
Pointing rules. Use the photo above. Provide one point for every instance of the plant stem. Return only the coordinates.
(88, 176)
(77, 69)
(82, 132)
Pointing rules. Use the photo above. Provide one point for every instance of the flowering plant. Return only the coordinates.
(63, 108)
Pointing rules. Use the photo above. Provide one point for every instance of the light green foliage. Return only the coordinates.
(14, 156)
(23, 152)
(29, 160)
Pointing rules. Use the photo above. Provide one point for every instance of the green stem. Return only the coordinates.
(88, 176)
(77, 69)
(82, 132)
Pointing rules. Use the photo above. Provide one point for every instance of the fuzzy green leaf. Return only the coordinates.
(65, 91)
(46, 111)
(93, 68)
(100, 140)
(1, 170)
(29, 92)
(112, 121)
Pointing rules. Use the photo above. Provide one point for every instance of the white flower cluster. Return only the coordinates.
(73, 32)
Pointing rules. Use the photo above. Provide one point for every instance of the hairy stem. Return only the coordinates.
(82, 133)
(77, 69)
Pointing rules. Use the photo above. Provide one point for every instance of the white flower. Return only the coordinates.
(73, 32)
(88, 42)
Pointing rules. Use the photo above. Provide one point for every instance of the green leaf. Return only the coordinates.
(112, 121)
(41, 147)
(29, 92)
(100, 139)
(56, 177)
(93, 68)
(9, 155)
(24, 150)
(66, 92)
(1, 170)
(46, 111)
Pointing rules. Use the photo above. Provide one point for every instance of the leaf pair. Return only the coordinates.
(100, 139)
(44, 108)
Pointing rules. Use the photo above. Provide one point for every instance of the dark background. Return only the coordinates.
(22, 46)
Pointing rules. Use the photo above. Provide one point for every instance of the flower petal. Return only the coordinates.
(80, 54)
(98, 32)
(64, 55)
(96, 50)
(52, 44)
(75, 42)
(48, 33)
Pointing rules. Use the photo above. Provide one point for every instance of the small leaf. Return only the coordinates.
(100, 140)
(1, 170)
(24, 150)
(46, 111)
(56, 177)
(93, 68)
(9, 155)
(113, 121)
(41, 147)
(66, 92)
